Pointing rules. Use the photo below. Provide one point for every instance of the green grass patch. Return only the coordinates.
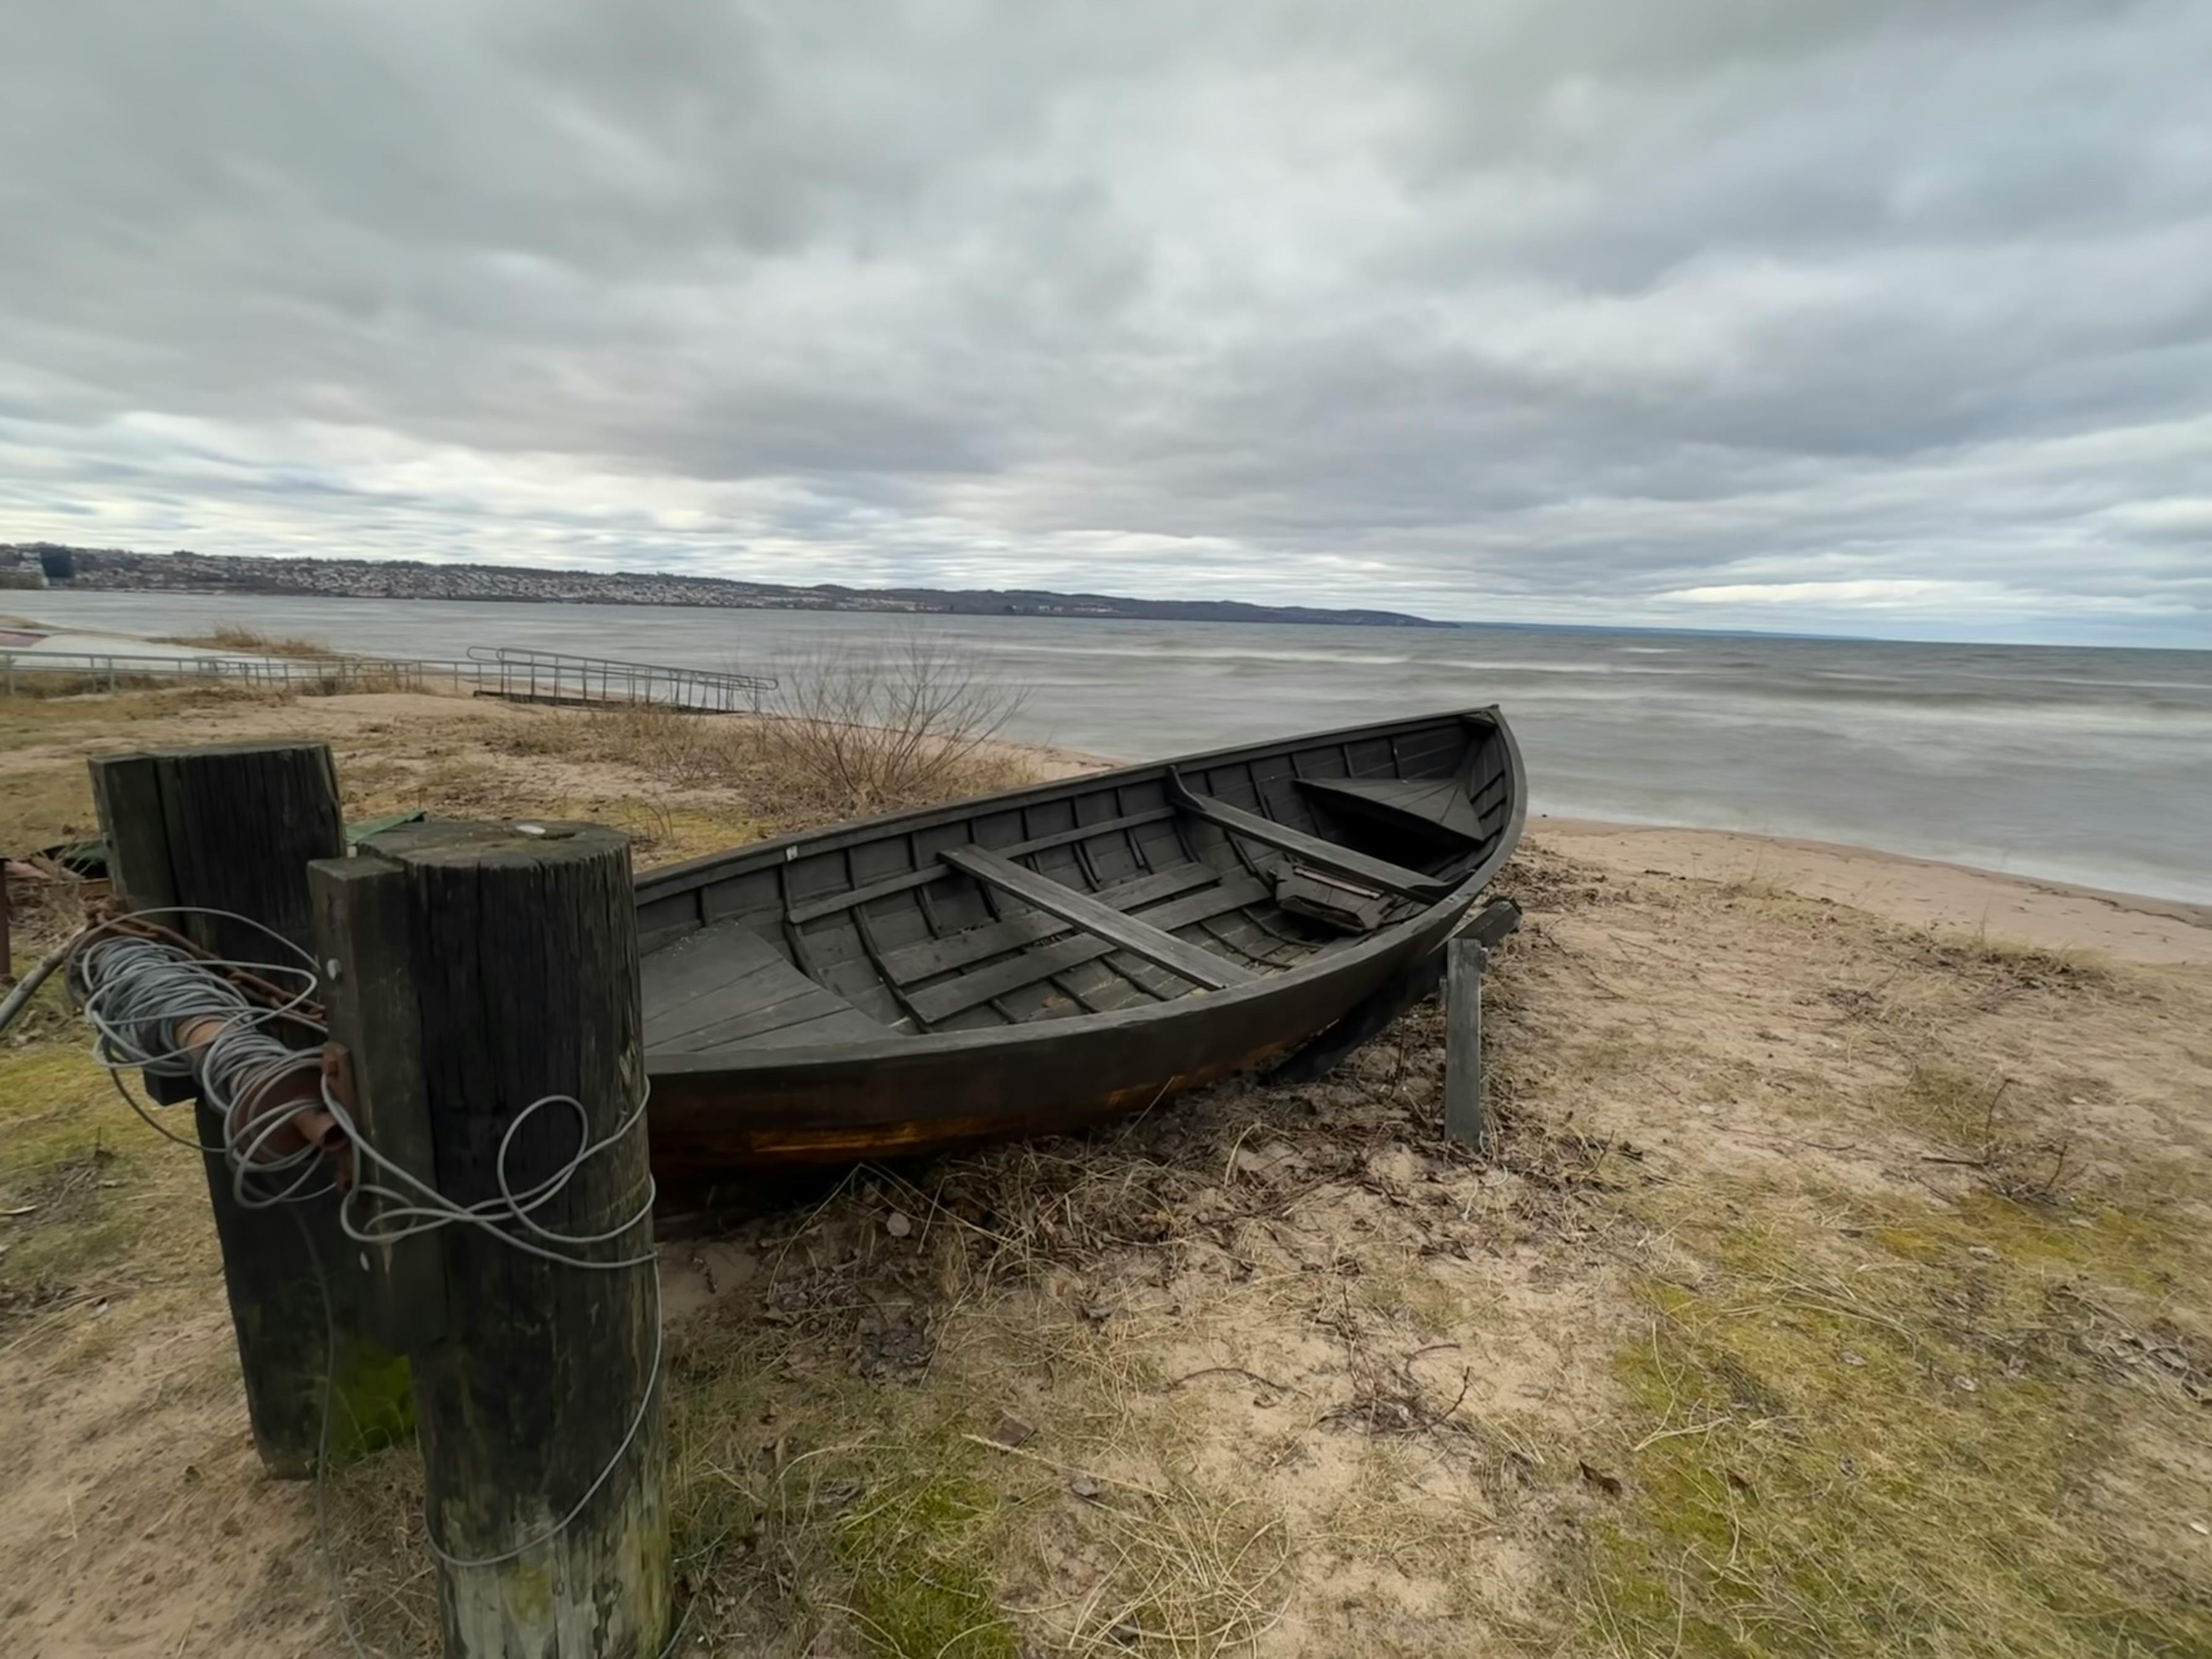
(74, 1169)
(803, 1505)
(1916, 1452)
(918, 1566)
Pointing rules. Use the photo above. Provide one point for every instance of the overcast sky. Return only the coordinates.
(1890, 316)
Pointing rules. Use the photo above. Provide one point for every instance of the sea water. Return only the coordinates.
(2080, 764)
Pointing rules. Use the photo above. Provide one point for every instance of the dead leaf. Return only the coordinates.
(1607, 1484)
(1009, 1431)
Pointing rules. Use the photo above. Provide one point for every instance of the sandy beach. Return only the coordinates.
(1916, 892)
(1844, 1210)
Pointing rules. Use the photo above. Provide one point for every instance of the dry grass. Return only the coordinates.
(44, 686)
(1768, 1328)
(814, 769)
(681, 785)
(238, 638)
(1919, 1449)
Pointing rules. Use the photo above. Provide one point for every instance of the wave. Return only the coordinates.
(1190, 653)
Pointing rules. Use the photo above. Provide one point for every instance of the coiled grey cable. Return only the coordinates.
(138, 993)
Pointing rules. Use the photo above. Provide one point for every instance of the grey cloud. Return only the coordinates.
(1886, 317)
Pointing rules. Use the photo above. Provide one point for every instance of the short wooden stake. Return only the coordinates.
(491, 966)
(1464, 1118)
(232, 828)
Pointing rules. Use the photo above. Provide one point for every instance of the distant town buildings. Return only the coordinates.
(115, 569)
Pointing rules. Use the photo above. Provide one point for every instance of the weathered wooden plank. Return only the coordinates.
(914, 962)
(127, 794)
(1428, 804)
(1333, 901)
(1139, 937)
(711, 961)
(1377, 872)
(807, 1002)
(939, 1002)
(1465, 959)
(830, 904)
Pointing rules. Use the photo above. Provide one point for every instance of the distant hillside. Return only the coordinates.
(112, 570)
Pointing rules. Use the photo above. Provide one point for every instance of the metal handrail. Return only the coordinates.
(507, 673)
(691, 686)
(561, 674)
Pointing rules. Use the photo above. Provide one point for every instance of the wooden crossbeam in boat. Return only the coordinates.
(941, 1002)
(830, 903)
(1138, 939)
(1376, 872)
(909, 962)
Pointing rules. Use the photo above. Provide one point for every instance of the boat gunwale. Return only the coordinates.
(674, 879)
(740, 1060)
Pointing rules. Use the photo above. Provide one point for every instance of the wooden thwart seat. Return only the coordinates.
(911, 962)
(1435, 807)
(1120, 931)
(952, 996)
(1311, 849)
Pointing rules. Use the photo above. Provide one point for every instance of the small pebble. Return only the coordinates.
(897, 1225)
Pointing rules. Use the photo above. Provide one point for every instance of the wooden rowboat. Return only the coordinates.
(1032, 962)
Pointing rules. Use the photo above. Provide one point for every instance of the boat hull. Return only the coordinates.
(733, 1111)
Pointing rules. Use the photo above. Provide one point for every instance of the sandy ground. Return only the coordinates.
(1810, 1162)
(1916, 893)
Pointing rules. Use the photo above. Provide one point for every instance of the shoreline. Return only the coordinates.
(1920, 892)
(1938, 894)
(2045, 911)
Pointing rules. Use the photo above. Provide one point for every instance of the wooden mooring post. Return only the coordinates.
(1465, 1121)
(232, 828)
(475, 971)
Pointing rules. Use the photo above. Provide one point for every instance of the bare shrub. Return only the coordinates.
(903, 723)
(344, 676)
(236, 637)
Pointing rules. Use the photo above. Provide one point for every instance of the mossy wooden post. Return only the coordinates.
(1464, 1118)
(233, 827)
(494, 965)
